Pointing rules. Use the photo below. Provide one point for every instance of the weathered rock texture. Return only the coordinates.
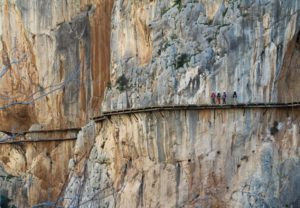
(221, 158)
(58, 38)
(170, 52)
(180, 53)
(36, 172)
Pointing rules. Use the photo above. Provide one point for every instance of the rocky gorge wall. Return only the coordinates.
(174, 53)
(47, 43)
(207, 158)
(180, 53)
(32, 173)
(170, 53)
(55, 41)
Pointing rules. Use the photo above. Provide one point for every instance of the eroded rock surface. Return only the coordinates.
(226, 158)
(170, 52)
(36, 171)
(180, 53)
(53, 42)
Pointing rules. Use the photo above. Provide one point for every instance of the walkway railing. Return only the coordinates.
(38, 140)
(192, 107)
(18, 137)
(41, 131)
(154, 108)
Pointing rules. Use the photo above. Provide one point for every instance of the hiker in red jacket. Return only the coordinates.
(219, 97)
(224, 97)
(213, 96)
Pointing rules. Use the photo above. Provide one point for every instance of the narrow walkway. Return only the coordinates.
(106, 114)
(193, 107)
(40, 131)
(15, 135)
(38, 140)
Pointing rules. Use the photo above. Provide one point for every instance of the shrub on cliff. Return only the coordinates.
(181, 60)
(109, 86)
(274, 129)
(122, 82)
(5, 202)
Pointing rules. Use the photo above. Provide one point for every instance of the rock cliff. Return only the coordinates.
(221, 158)
(53, 42)
(147, 53)
(181, 51)
(174, 52)
(44, 44)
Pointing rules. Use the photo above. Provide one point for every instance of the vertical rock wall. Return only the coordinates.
(170, 52)
(174, 52)
(36, 172)
(53, 40)
(61, 40)
(221, 158)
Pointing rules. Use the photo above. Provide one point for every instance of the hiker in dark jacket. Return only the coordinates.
(224, 97)
(234, 97)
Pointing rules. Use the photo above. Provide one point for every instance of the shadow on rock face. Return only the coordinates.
(288, 81)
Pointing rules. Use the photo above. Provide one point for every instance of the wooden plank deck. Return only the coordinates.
(107, 114)
(193, 107)
(38, 140)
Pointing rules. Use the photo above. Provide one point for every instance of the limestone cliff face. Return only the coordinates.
(222, 158)
(35, 171)
(61, 40)
(180, 53)
(174, 53)
(171, 52)
(51, 41)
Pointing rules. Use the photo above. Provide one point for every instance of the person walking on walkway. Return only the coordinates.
(224, 97)
(213, 96)
(234, 97)
(219, 97)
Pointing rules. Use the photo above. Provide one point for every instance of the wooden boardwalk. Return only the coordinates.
(38, 140)
(41, 131)
(22, 134)
(105, 114)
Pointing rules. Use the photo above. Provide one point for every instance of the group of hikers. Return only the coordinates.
(213, 96)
